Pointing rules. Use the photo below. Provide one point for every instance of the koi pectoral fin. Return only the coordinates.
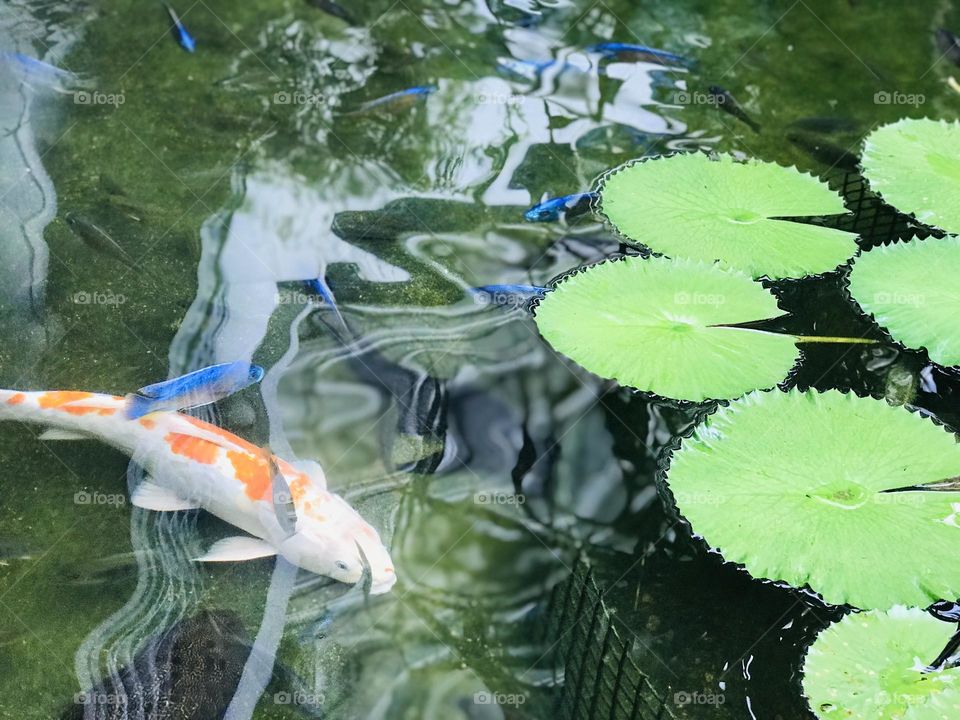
(58, 434)
(151, 496)
(240, 547)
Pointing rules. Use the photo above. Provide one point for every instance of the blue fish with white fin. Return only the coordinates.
(200, 387)
(550, 210)
(33, 71)
(180, 32)
(396, 101)
(634, 52)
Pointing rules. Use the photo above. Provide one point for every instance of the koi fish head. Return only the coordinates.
(340, 547)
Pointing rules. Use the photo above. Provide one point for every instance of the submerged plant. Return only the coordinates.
(695, 207)
(871, 666)
(912, 289)
(915, 166)
(663, 326)
(799, 488)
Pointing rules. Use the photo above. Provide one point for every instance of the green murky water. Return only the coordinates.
(232, 175)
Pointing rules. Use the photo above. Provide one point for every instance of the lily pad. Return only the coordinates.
(912, 289)
(652, 325)
(791, 485)
(915, 166)
(868, 667)
(692, 206)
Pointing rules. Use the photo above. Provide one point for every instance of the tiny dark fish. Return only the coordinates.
(728, 104)
(948, 44)
(397, 101)
(97, 238)
(12, 549)
(823, 150)
(180, 32)
(333, 8)
(826, 125)
(631, 52)
(188, 672)
(551, 210)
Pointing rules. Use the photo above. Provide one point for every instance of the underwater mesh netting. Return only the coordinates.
(596, 664)
(599, 669)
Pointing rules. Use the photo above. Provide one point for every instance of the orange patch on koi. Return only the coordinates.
(220, 432)
(57, 398)
(16, 399)
(253, 471)
(148, 423)
(203, 451)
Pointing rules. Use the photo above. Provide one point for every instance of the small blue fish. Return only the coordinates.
(180, 33)
(398, 100)
(32, 70)
(533, 69)
(201, 387)
(322, 288)
(629, 51)
(550, 210)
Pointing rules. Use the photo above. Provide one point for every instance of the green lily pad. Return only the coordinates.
(868, 667)
(915, 166)
(912, 289)
(692, 206)
(649, 324)
(791, 485)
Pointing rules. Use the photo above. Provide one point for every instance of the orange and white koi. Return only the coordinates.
(193, 464)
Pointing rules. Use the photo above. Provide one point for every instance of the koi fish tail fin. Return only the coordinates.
(136, 406)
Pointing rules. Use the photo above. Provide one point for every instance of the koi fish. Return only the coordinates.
(550, 210)
(180, 32)
(192, 464)
(398, 100)
(200, 387)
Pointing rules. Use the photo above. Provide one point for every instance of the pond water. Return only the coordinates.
(233, 176)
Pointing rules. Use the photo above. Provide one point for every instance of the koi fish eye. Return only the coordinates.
(342, 565)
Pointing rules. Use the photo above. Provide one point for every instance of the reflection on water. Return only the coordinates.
(236, 176)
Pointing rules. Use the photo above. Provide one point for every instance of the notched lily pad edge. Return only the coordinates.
(597, 207)
(661, 400)
(665, 456)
